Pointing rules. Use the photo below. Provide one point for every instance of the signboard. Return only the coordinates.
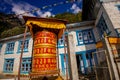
(99, 44)
(114, 40)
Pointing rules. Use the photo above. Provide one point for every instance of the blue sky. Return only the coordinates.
(21, 6)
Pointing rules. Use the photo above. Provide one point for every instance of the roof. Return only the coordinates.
(36, 24)
(43, 19)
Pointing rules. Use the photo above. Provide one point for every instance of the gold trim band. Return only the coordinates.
(44, 45)
(46, 38)
(44, 55)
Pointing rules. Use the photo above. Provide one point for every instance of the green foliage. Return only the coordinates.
(70, 17)
(12, 32)
(10, 26)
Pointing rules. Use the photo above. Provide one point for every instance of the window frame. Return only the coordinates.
(118, 32)
(103, 27)
(7, 51)
(20, 45)
(27, 69)
(5, 62)
(59, 41)
(0, 48)
(85, 37)
(118, 6)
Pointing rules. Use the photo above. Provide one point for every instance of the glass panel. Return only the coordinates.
(10, 47)
(80, 36)
(26, 65)
(9, 65)
(85, 35)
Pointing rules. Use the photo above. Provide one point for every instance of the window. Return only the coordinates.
(118, 6)
(80, 38)
(64, 61)
(0, 47)
(26, 43)
(118, 32)
(10, 48)
(102, 27)
(8, 65)
(61, 42)
(85, 36)
(26, 65)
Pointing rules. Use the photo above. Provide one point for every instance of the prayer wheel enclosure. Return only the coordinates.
(45, 33)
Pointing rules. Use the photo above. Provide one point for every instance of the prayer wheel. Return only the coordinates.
(44, 52)
(45, 33)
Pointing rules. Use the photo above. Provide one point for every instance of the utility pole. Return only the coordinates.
(22, 48)
(112, 63)
(65, 46)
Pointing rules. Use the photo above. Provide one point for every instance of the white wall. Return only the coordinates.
(15, 55)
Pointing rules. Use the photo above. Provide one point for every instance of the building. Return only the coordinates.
(91, 8)
(103, 25)
(11, 46)
(10, 53)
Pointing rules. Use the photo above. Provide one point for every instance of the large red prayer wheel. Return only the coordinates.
(44, 52)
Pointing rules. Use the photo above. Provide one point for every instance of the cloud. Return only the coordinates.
(24, 7)
(20, 8)
(75, 8)
(46, 14)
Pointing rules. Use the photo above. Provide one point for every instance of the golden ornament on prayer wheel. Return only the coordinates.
(44, 52)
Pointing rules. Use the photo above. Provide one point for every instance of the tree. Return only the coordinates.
(70, 17)
(12, 32)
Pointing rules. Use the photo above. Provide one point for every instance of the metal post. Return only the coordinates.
(22, 52)
(108, 65)
(65, 57)
(58, 57)
(112, 63)
(95, 66)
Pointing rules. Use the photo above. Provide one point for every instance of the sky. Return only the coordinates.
(21, 6)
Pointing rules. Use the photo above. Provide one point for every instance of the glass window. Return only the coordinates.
(61, 42)
(0, 47)
(102, 27)
(118, 6)
(26, 65)
(10, 48)
(80, 36)
(85, 36)
(118, 32)
(8, 65)
(26, 43)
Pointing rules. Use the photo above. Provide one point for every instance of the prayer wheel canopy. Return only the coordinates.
(39, 24)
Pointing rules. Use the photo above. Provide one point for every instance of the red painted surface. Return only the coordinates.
(44, 52)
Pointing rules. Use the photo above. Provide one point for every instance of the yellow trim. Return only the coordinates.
(114, 40)
(99, 44)
(45, 38)
(46, 24)
(44, 45)
(45, 55)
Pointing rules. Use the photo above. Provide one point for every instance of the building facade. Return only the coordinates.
(84, 41)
